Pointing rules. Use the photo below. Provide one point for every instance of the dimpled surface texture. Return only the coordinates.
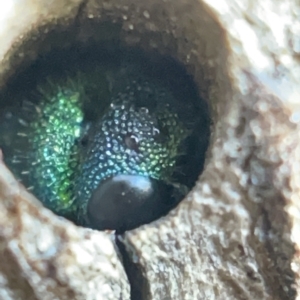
(54, 155)
(140, 134)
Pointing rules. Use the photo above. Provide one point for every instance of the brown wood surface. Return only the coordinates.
(236, 235)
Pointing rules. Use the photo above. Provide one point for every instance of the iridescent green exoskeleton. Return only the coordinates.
(111, 170)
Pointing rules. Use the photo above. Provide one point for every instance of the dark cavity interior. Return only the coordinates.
(102, 59)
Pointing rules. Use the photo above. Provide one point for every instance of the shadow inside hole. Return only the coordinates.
(102, 60)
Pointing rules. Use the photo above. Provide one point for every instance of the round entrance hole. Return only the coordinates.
(91, 62)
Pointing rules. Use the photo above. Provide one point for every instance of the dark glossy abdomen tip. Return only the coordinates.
(124, 202)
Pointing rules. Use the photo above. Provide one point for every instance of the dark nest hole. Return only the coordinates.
(108, 55)
(184, 30)
(190, 53)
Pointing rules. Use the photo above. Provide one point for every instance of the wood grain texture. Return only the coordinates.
(236, 235)
(43, 257)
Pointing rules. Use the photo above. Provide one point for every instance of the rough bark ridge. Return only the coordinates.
(236, 235)
(43, 257)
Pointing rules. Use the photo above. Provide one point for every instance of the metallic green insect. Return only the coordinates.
(137, 134)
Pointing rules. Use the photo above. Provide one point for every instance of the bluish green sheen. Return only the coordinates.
(54, 155)
(138, 133)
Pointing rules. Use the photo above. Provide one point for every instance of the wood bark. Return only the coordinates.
(236, 234)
